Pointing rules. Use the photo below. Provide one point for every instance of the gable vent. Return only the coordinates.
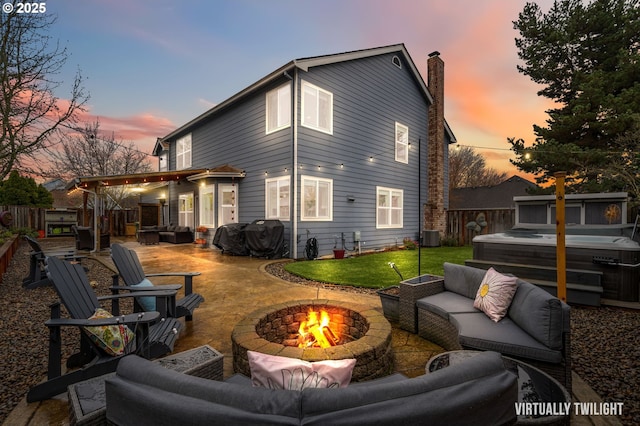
(396, 61)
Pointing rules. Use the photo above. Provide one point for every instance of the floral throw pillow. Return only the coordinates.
(277, 372)
(113, 339)
(495, 294)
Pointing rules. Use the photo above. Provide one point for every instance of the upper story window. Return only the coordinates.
(317, 199)
(317, 108)
(389, 209)
(164, 162)
(402, 143)
(277, 198)
(278, 108)
(183, 152)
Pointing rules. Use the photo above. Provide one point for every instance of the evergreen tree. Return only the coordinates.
(587, 58)
(22, 191)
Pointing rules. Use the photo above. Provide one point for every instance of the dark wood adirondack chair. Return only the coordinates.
(37, 275)
(154, 336)
(131, 271)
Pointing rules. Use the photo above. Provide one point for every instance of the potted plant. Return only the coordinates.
(201, 233)
(390, 298)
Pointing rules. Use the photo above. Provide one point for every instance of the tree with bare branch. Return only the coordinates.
(30, 111)
(467, 169)
(89, 152)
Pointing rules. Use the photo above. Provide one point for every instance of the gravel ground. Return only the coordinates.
(605, 341)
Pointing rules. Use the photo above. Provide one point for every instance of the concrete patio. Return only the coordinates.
(233, 287)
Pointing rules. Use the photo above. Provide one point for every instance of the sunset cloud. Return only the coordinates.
(145, 57)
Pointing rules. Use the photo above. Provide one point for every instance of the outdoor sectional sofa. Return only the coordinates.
(477, 391)
(172, 234)
(535, 330)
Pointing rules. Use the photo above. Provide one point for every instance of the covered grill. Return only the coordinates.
(261, 238)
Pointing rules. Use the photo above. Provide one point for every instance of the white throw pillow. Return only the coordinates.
(277, 372)
(495, 294)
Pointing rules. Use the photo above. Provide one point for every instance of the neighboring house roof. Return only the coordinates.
(54, 184)
(489, 197)
(304, 64)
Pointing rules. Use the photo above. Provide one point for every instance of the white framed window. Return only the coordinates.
(317, 199)
(278, 107)
(164, 162)
(183, 152)
(185, 209)
(206, 207)
(402, 143)
(389, 207)
(227, 204)
(277, 197)
(317, 108)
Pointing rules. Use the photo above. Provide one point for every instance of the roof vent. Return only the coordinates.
(396, 61)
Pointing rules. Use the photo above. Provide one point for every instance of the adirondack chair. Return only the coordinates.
(130, 269)
(154, 336)
(37, 275)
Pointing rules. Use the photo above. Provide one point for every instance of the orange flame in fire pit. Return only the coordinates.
(316, 333)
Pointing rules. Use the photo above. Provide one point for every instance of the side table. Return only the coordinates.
(148, 236)
(534, 385)
(87, 400)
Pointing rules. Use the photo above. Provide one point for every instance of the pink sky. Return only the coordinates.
(157, 65)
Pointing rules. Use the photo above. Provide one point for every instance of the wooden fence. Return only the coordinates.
(463, 225)
(34, 218)
(458, 221)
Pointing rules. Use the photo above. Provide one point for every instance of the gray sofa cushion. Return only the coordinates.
(477, 331)
(145, 393)
(451, 396)
(446, 303)
(540, 314)
(202, 400)
(463, 280)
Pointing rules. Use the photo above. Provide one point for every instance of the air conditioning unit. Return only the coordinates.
(430, 238)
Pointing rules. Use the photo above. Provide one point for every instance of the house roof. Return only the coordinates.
(304, 64)
(91, 182)
(221, 171)
(489, 197)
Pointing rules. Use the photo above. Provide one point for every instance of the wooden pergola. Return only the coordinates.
(95, 184)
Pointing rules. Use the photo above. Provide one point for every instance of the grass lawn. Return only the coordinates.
(373, 270)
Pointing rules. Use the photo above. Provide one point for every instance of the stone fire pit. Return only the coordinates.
(369, 332)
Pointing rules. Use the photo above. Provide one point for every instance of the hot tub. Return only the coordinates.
(616, 257)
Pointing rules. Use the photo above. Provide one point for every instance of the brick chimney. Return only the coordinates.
(434, 214)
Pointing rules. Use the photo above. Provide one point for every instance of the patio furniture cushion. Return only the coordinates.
(495, 294)
(462, 280)
(113, 339)
(446, 303)
(477, 391)
(278, 372)
(147, 302)
(540, 314)
(477, 331)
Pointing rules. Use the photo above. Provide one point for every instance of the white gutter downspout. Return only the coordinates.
(294, 230)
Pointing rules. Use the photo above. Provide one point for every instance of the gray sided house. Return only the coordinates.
(328, 145)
